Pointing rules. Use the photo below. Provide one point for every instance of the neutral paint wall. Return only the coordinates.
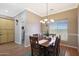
(71, 16)
(33, 25)
(78, 28)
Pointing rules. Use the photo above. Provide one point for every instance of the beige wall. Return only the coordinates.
(34, 25)
(78, 28)
(71, 16)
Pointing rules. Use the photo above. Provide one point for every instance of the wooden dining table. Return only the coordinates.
(45, 44)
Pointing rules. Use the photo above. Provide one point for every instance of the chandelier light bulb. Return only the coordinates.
(42, 21)
(45, 20)
(52, 20)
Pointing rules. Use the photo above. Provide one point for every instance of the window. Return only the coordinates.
(59, 27)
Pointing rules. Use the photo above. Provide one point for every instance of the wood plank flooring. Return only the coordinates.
(13, 49)
(70, 51)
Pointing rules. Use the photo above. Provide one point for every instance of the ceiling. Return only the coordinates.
(12, 9)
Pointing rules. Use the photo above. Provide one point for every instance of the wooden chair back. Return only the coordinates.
(57, 46)
(34, 45)
(54, 49)
(35, 34)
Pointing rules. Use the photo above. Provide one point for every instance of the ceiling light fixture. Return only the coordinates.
(47, 20)
(42, 21)
(52, 20)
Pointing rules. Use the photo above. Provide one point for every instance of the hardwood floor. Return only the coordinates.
(70, 51)
(13, 49)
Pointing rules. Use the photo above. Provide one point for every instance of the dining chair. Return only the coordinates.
(40, 37)
(52, 35)
(35, 34)
(58, 46)
(54, 49)
(36, 49)
(34, 45)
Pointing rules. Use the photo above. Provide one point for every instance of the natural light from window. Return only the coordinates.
(59, 27)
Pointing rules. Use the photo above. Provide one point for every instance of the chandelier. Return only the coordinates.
(46, 20)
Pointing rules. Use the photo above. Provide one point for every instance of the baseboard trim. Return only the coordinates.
(17, 42)
(27, 45)
(69, 46)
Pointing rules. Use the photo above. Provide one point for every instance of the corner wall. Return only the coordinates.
(21, 17)
(31, 23)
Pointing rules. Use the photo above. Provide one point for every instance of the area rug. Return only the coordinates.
(62, 52)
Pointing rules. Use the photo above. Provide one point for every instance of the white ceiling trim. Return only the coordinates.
(63, 10)
(53, 12)
(34, 12)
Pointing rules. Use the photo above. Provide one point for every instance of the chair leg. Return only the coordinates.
(31, 52)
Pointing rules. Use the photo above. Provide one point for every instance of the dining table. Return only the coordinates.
(45, 43)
